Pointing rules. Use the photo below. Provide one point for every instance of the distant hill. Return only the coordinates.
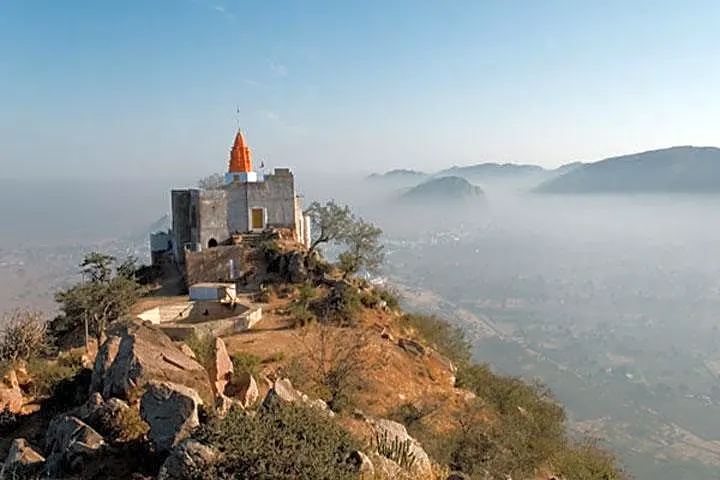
(568, 167)
(671, 170)
(443, 189)
(399, 174)
(490, 171)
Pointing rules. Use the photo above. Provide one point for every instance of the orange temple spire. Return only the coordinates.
(240, 155)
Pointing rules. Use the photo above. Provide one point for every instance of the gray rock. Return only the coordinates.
(395, 430)
(188, 351)
(99, 414)
(297, 271)
(385, 468)
(188, 457)
(221, 368)
(22, 461)
(411, 346)
(72, 445)
(244, 388)
(171, 411)
(137, 354)
(364, 465)
(284, 392)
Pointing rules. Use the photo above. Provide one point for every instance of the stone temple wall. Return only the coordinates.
(213, 264)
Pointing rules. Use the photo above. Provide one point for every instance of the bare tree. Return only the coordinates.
(24, 335)
(337, 361)
(212, 182)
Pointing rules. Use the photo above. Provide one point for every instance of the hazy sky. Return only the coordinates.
(149, 87)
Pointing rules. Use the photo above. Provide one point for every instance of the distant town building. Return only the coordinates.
(247, 203)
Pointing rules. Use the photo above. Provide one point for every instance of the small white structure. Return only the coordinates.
(213, 291)
(307, 233)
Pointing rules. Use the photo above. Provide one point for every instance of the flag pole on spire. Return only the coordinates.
(237, 116)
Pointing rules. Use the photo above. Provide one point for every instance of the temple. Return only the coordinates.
(247, 204)
(240, 168)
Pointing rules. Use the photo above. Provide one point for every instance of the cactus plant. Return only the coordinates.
(396, 450)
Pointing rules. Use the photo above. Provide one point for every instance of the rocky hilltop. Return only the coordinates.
(443, 189)
(335, 381)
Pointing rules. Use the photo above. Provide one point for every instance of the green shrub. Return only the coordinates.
(274, 357)
(527, 431)
(445, 338)
(46, 375)
(407, 414)
(288, 441)
(306, 293)
(389, 297)
(203, 347)
(128, 425)
(301, 315)
(379, 296)
(270, 249)
(588, 461)
(340, 306)
(246, 363)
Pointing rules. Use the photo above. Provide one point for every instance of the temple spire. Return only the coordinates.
(240, 155)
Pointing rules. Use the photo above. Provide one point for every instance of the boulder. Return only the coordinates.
(72, 445)
(188, 457)
(296, 268)
(99, 414)
(22, 461)
(364, 465)
(244, 388)
(395, 430)
(137, 354)
(384, 468)
(221, 370)
(284, 392)
(411, 346)
(188, 351)
(387, 335)
(171, 411)
(11, 397)
(290, 266)
(223, 404)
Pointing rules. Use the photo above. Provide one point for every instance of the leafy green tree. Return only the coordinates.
(99, 301)
(97, 266)
(335, 223)
(330, 222)
(128, 267)
(364, 250)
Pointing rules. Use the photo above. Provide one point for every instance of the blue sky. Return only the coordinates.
(149, 88)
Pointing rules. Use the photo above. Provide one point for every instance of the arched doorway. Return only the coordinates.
(212, 243)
